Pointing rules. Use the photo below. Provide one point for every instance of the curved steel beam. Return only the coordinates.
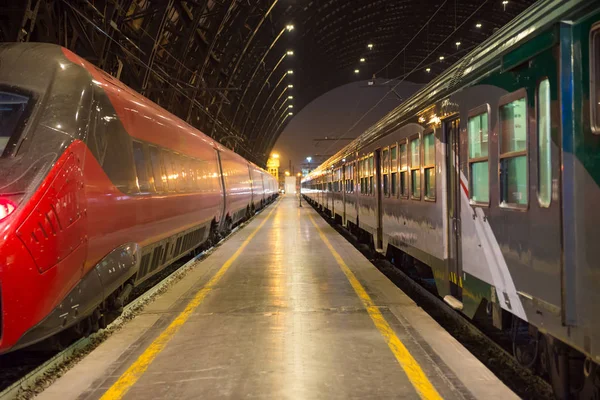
(251, 80)
(241, 57)
(260, 92)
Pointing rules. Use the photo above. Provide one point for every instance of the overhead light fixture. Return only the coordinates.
(441, 58)
(504, 3)
(362, 60)
(428, 69)
(291, 72)
(290, 27)
(457, 44)
(309, 159)
(370, 46)
(478, 25)
(290, 86)
(290, 97)
(290, 52)
(291, 106)
(356, 71)
(291, 113)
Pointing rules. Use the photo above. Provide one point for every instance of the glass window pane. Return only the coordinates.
(12, 112)
(513, 121)
(394, 184)
(404, 184)
(429, 149)
(385, 160)
(430, 183)
(595, 90)
(544, 144)
(371, 170)
(403, 156)
(140, 167)
(480, 184)
(478, 136)
(414, 153)
(394, 154)
(156, 168)
(514, 181)
(415, 183)
(386, 187)
(371, 185)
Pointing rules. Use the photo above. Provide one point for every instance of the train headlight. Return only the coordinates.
(6, 208)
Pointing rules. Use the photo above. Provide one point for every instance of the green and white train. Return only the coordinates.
(488, 180)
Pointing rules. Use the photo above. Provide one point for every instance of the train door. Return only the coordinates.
(378, 197)
(453, 157)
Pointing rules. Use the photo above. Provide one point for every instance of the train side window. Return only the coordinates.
(363, 173)
(415, 168)
(385, 170)
(394, 171)
(404, 170)
(139, 157)
(429, 165)
(513, 151)
(371, 173)
(544, 144)
(479, 174)
(595, 78)
(156, 168)
(169, 169)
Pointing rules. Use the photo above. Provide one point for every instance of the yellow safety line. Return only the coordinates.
(137, 369)
(410, 366)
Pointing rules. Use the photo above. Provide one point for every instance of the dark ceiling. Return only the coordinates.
(222, 65)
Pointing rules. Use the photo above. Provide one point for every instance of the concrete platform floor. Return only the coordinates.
(284, 309)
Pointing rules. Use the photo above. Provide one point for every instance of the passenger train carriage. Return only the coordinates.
(99, 189)
(489, 177)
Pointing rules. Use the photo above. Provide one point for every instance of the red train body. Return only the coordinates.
(99, 189)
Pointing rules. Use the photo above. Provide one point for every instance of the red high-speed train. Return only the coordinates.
(99, 189)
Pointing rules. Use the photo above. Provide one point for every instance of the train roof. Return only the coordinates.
(480, 61)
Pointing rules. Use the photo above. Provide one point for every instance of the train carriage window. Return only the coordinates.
(139, 157)
(385, 167)
(595, 78)
(513, 152)
(479, 182)
(394, 171)
(403, 170)
(429, 165)
(156, 168)
(415, 168)
(371, 173)
(171, 178)
(544, 144)
(14, 111)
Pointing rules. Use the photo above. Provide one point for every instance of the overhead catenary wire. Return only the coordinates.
(406, 75)
(163, 78)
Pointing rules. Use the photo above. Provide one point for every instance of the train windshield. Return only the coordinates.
(12, 117)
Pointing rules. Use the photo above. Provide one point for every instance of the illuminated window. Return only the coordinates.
(139, 157)
(403, 170)
(479, 182)
(385, 169)
(429, 165)
(415, 168)
(394, 170)
(513, 153)
(544, 144)
(595, 79)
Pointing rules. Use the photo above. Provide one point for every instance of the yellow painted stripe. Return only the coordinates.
(137, 369)
(410, 366)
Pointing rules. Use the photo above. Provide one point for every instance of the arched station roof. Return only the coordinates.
(233, 68)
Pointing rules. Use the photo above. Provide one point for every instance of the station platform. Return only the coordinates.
(286, 308)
